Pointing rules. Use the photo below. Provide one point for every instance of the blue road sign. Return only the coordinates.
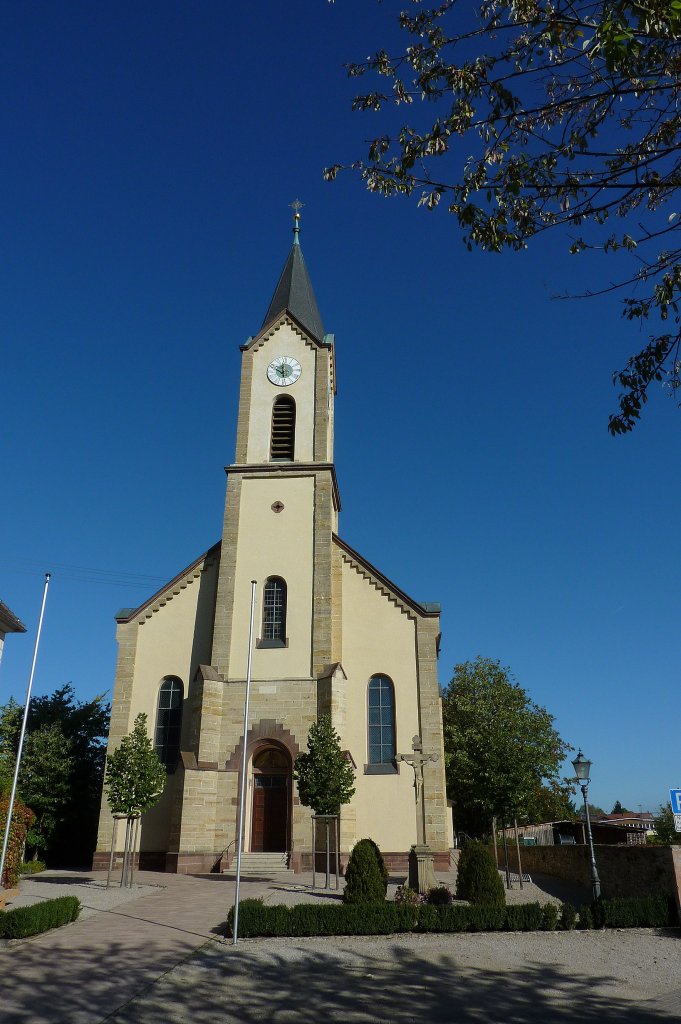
(675, 800)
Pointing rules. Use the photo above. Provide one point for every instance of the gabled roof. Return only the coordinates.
(166, 593)
(428, 609)
(9, 623)
(294, 294)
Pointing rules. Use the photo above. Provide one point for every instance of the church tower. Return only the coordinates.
(332, 636)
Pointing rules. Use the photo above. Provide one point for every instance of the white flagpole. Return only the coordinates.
(244, 759)
(10, 809)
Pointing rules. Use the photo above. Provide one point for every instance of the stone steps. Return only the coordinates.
(260, 864)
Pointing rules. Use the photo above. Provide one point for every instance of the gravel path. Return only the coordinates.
(525, 978)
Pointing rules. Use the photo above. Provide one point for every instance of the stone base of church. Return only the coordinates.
(203, 863)
(396, 863)
(171, 863)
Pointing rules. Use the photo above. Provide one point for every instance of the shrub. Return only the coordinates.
(524, 917)
(32, 867)
(407, 897)
(313, 919)
(549, 914)
(477, 878)
(635, 912)
(22, 819)
(568, 917)
(366, 878)
(586, 918)
(40, 917)
(439, 896)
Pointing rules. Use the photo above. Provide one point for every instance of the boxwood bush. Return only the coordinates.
(40, 917)
(635, 912)
(386, 918)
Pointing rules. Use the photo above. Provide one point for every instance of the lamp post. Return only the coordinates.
(582, 768)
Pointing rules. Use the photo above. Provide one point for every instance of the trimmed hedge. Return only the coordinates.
(635, 912)
(257, 919)
(39, 917)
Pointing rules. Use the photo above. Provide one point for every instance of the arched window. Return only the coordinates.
(274, 611)
(283, 429)
(381, 721)
(169, 721)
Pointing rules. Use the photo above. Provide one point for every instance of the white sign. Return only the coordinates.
(677, 822)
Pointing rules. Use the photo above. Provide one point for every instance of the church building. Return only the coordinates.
(333, 636)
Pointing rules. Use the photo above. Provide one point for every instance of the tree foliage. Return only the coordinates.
(135, 776)
(665, 832)
(500, 746)
(61, 772)
(550, 802)
(22, 819)
(535, 115)
(324, 775)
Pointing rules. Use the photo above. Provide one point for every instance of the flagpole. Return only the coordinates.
(10, 808)
(244, 760)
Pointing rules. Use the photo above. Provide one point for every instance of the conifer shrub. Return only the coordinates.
(568, 917)
(439, 896)
(39, 917)
(366, 877)
(477, 879)
(586, 918)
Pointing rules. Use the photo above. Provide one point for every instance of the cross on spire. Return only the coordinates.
(296, 206)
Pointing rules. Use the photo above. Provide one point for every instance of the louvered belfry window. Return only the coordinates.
(283, 429)
(274, 609)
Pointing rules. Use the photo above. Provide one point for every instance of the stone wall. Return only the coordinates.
(623, 870)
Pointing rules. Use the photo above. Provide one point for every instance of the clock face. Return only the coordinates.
(284, 371)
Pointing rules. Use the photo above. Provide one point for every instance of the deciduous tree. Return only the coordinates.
(499, 745)
(665, 831)
(135, 776)
(324, 775)
(62, 769)
(533, 115)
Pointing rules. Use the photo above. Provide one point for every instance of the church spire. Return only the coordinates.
(294, 292)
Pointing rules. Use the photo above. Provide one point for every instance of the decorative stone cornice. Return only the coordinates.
(172, 589)
(382, 583)
(267, 729)
(288, 469)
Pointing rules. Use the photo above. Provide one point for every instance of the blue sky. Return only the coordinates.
(150, 154)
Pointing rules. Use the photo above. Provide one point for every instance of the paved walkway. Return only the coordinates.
(126, 940)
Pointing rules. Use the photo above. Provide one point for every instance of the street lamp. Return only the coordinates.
(582, 768)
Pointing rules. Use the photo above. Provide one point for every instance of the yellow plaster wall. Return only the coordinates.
(284, 341)
(378, 637)
(172, 642)
(274, 544)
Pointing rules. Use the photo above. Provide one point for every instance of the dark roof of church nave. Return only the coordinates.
(294, 293)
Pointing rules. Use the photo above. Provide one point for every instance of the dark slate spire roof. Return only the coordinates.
(294, 293)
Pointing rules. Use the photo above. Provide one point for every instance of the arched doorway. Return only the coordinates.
(271, 812)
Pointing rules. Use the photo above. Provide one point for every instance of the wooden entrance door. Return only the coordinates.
(270, 806)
